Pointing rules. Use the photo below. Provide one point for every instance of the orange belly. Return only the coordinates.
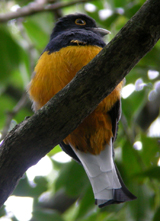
(53, 72)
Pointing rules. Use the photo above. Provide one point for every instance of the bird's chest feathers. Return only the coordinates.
(55, 70)
(73, 58)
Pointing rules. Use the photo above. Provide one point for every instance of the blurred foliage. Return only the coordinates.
(21, 43)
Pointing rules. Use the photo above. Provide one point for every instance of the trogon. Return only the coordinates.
(74, 42)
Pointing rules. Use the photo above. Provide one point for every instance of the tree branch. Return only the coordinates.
(29, 141)
(36, 7)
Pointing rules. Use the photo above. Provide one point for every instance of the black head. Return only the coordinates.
(75, 27)
(77, 21)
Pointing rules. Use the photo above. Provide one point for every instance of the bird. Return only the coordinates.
(74, 42)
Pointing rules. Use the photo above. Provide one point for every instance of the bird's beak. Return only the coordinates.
(101, 31)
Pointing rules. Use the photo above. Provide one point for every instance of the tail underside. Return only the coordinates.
(120, 195)
(107, 184)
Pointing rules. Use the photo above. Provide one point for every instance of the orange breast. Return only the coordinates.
(52, 72)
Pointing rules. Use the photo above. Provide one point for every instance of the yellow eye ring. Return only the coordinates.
(80, 21)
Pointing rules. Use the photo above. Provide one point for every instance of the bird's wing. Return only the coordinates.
(68, 150)
(115, 114)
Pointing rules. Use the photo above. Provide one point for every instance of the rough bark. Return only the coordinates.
(29, 141)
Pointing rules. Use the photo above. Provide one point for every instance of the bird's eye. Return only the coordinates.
(80, 21)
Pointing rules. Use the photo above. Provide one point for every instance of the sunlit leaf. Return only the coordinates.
(55, 150)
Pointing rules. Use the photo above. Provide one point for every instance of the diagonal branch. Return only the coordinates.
(29, 141)
(35, 7)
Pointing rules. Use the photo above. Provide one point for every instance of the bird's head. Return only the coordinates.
(77, 21)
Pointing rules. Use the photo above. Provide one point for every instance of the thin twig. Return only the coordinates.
(36, 7)
(10, 114)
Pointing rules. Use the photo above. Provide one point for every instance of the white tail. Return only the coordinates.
(104, 177)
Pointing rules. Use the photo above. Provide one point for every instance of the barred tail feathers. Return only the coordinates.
(107, 185)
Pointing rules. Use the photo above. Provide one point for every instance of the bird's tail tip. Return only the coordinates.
(119, 196)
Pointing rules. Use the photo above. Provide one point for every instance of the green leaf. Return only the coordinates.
(23, 2)
(153, 173)
(137, 72)
(119, 3)
(36, 34)
(2, 211)
(72, 177)
(24, 188)
(6, 104)
(46, 214)
(9, 53)
(132, 104)
(104, 23)
(86, 203)
(152, 58)
(157, 215)
(150, 152)
(140, 209)
(55, 150)
(98, 4)
(130, 158)
(39, 32)
(130, 11)
(111, 20)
